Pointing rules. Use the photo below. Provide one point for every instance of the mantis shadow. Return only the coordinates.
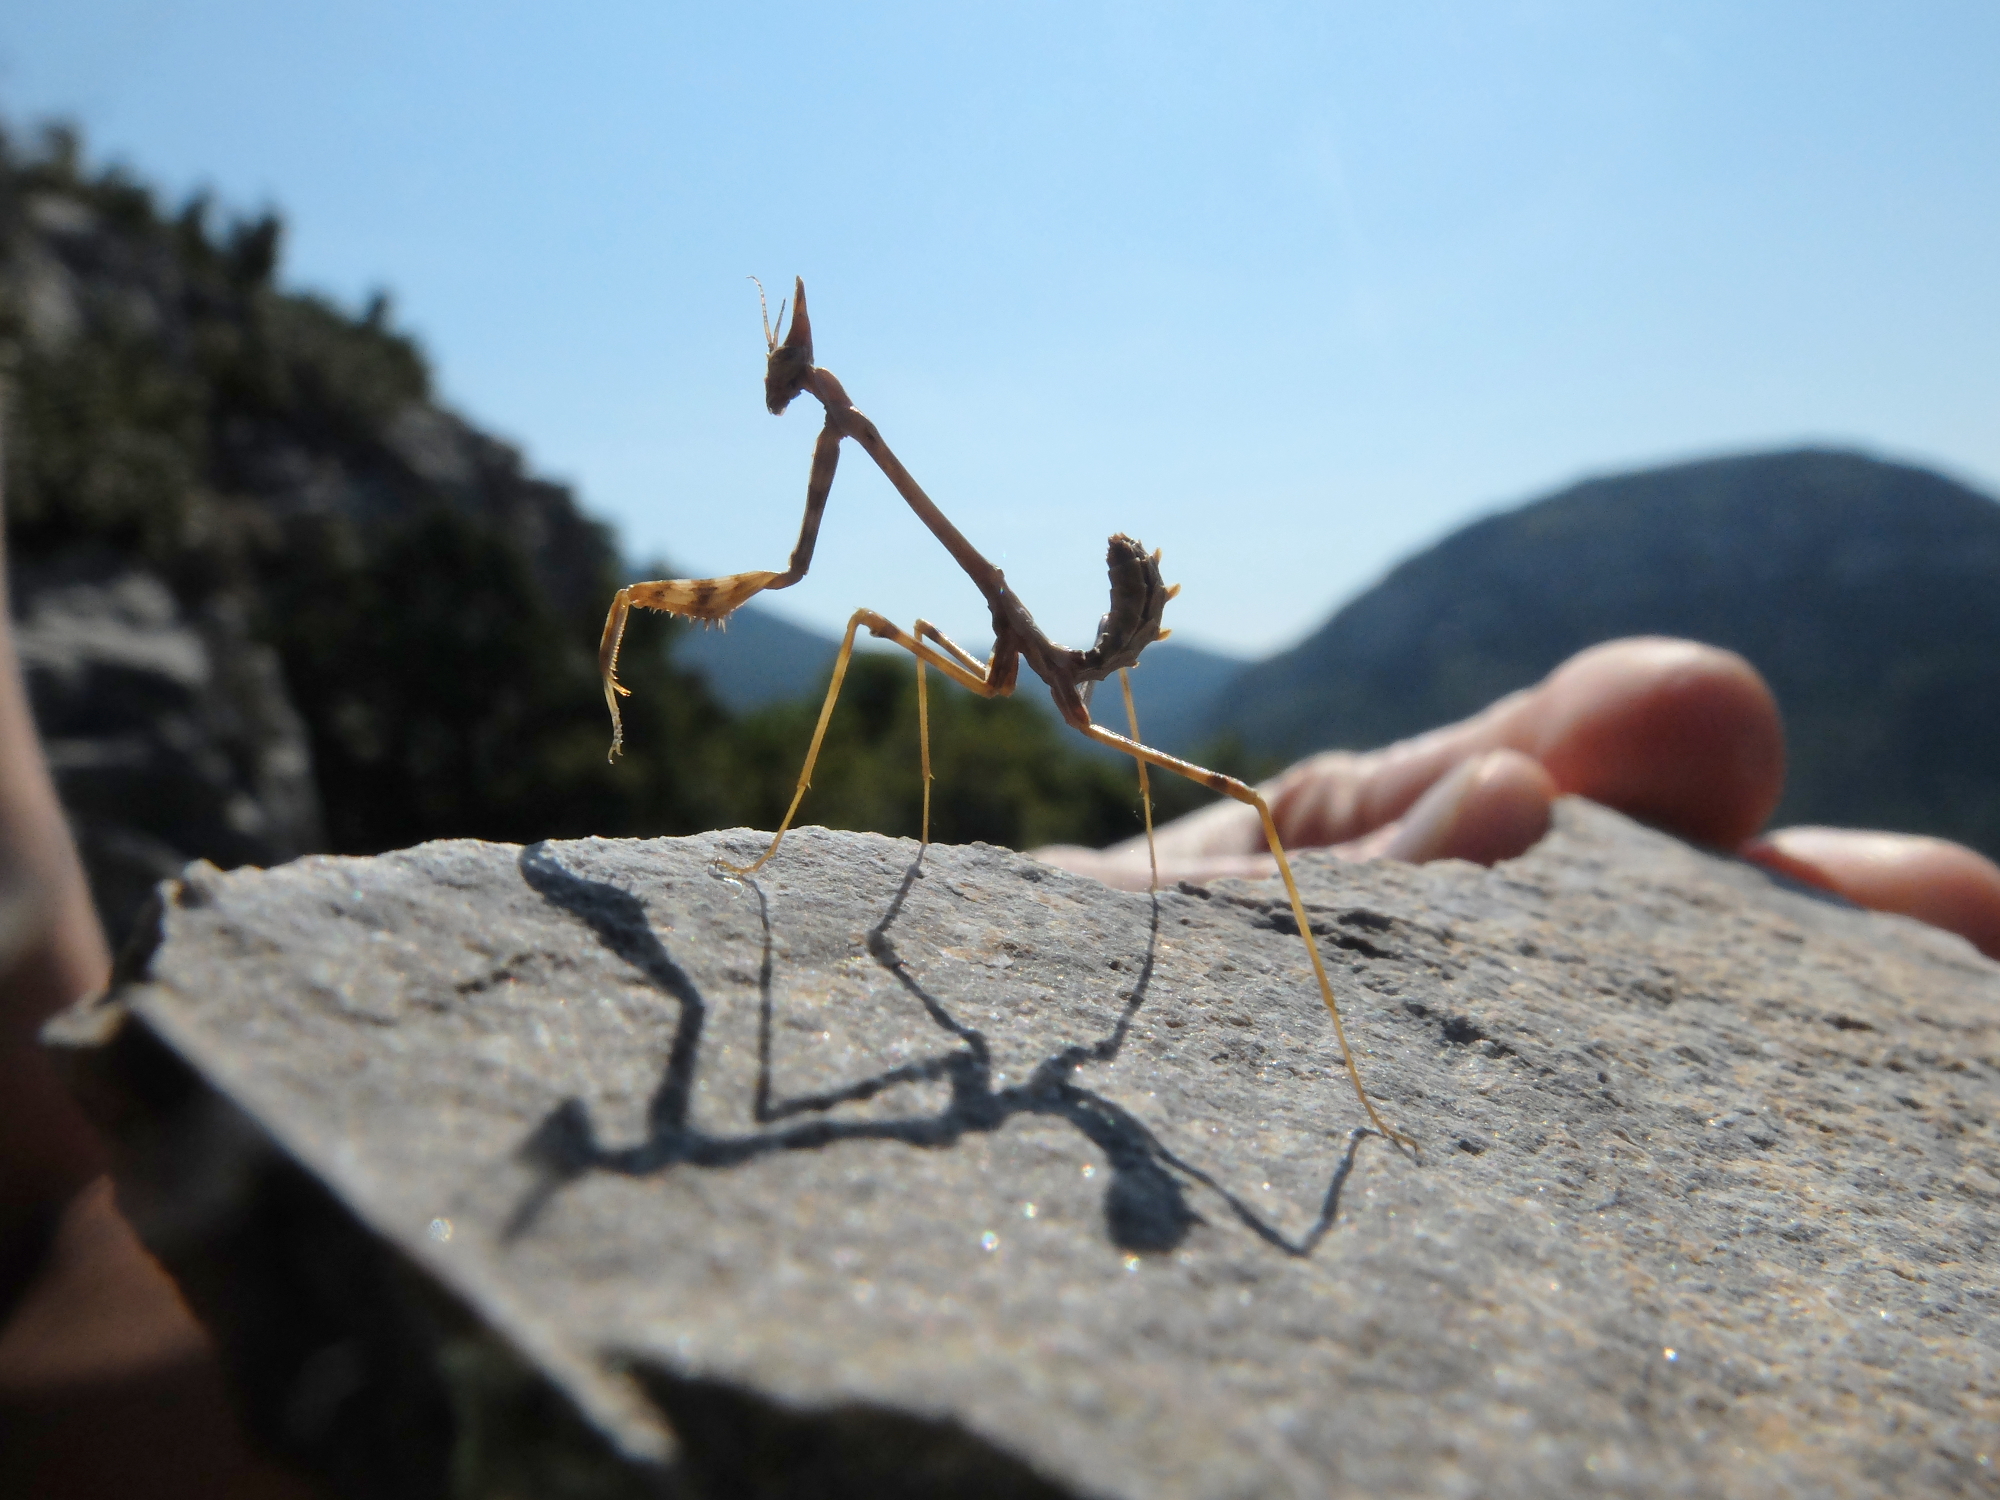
(1146, 1206)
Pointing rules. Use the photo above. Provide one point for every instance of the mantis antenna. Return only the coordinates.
(1138, 599)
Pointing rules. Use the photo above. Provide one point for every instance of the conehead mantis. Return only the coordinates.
(1138, 600)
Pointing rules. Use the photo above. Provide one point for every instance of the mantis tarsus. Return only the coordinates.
(1138, 600)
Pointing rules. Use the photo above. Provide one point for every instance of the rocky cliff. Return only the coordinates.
(271, 596)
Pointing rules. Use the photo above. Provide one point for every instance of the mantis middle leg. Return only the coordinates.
(953, 660)
(1145, 790)
(963, 668)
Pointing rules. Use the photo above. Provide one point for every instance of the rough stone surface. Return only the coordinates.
(868, 1178)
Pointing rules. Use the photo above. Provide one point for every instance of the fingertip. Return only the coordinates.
(1507, 809)
(1322, 800)
(1678, 734)
(1493, 807)
(1931, 879)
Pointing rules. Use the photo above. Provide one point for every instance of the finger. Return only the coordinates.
(1933, 880)
(1683, 736)
(108, 1386)
(1492, 807)
(1677, 734)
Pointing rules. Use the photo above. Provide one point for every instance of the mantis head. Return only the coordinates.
(789, 362)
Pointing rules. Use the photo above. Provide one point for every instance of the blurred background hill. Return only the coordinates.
(274, 597)
(1867, 593)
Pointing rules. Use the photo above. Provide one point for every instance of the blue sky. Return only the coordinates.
(1286, 290)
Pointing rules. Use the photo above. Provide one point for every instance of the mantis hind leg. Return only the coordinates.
(959, 666)
(1229, 786)
(924, 740)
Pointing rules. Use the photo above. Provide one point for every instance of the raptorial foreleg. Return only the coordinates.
(714, 599)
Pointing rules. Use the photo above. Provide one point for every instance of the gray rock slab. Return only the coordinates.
(870, 1177)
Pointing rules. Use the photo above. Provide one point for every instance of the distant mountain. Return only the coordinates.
(1868, 593)
(1175, 688)
(757, 659)
(761, 659)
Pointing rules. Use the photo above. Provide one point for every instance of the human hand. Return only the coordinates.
(1683, 736)
(108, 1385)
